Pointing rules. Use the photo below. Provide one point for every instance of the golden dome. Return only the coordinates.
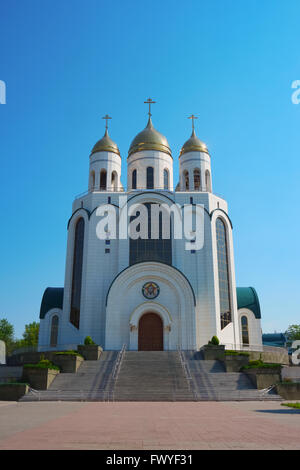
(149, 139)
(193, 145)
(105, 145)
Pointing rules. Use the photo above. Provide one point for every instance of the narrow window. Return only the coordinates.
(186, 180)
(166, 179)
(197, 183)
(54, 331)
(114, 180)
(245, 331)
(103, 180)
(150, 177)
(223, 271)
(207, 181)
(92, 181)
(77, 273)
(134, 179)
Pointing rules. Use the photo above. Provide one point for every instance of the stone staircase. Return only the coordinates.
(152, 376)
(211, 382)
(92, 382)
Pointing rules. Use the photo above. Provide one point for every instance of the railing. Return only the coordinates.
(121, 189)
(253, 347)
(187, 373)
(116, 370)
(44, 348)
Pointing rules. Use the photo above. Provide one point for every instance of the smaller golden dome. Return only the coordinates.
(105, 145)
(193, 145)
(149, 139)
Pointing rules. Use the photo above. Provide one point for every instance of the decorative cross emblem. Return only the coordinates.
(106, 117)
(192, 117)
(149, 101)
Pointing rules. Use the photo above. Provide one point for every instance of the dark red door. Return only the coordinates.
(151, 337)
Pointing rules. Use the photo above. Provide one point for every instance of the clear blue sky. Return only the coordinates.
(66, 63)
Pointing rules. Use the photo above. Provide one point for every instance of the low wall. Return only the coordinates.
(289, 391)
(292, 373)
(263, 378)
(12, 392)
(9, 374)
(270, 357)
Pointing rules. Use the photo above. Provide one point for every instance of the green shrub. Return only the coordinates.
(214, 341)
(88, 340)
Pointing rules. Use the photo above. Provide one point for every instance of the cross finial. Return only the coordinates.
(192, 117)
(106, 117)
(149, 101)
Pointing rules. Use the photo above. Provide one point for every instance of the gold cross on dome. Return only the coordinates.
(106, 117)
(192, 117)
(149, 101)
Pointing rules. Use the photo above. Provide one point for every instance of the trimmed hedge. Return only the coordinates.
(236, 353)
(43, 364)
(292, 405)
(69, 353)
(260, 365)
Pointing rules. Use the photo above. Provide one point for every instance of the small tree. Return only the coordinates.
(293, 333)
(7, 334)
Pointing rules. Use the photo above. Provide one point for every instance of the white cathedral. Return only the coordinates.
(149, 294)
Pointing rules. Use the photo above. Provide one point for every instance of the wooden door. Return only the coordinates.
(151, 336)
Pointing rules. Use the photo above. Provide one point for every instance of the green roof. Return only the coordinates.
(247, 298)
(52, 298)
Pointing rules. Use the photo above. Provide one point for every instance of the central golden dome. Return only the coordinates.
(149, 139)
(194, 145)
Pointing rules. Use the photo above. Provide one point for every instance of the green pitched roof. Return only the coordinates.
(247, 298)
(52, 298)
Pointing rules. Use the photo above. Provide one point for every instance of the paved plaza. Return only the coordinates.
(134, 426)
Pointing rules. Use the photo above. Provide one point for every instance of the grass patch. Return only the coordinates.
(292, 405)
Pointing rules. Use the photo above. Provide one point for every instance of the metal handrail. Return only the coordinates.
(122, 189)
(187, 373)
(116, 370)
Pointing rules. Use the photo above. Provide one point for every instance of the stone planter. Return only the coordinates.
(212, 353)
(12, 392)
(233, 363)
(264, 378)
(289, 391)
(40, 379)
(68, 363)
(90, 352)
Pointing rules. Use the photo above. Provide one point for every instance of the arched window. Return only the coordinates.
(150, 177)
(186, 180)
(223, 271)
(133, 179)
(77, 273)
(54, 331)
(207, 181)
(103, 180)
(166, 179)
(197, 181)
(245, 330)
(92, 180)
(114, 180)
(151, 248)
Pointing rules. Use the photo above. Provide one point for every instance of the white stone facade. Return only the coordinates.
(112, 302)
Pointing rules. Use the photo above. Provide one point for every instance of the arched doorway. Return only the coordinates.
(151, 335)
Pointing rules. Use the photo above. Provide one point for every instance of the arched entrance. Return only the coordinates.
(151, 334)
